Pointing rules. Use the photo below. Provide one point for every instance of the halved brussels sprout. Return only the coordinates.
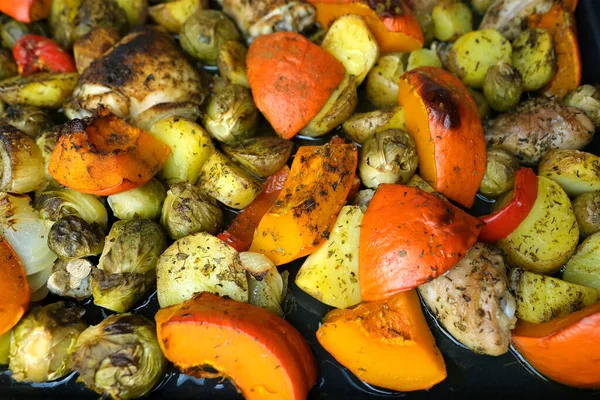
(587, 99)
(42, 340)
(71, 279)
(30, 120)
(262, 156)
(187, 210)
(500, 173)
(120, 357)
(127, 266)
(388, 157)
(21, 162)
(587, 212)
(502, 86)
(59, 203)
(269, 292)
(8, 66)
(231, 113)
(71, 237)
(203, 33)
(94, 13)
(142, 202)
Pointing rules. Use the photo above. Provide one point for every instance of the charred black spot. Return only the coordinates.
(125, 325)
(441, 104)
(120, 360)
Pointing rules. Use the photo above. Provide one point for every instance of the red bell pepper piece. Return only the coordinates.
(35, 53)
(502, 223)
(240, 233)
(26, 10)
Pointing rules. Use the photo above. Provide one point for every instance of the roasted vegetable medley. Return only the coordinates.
(414, 157)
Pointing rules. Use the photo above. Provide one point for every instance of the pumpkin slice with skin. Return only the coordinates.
(14, 289)
(391, 22)
(443, 120)
(263, 355)
(409, 237)
(385, 343)
(564, 349)
(291, 79)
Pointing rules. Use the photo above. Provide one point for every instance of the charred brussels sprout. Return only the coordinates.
(587, 99)
(8, 66)
(587, 213)
(127, 266)
(388, 157)
(502, 86)
(202, 34)
(42, 341)
(262, 156)
(120, 357)
(94, 13)
(499, 173)
(142, 202)
(231, 114)
(71, 279)
(30, 120)
(71, 237)
(55, 204)
(187, 210)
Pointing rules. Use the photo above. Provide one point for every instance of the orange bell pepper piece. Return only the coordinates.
(263, 355)
(564, 349)
(385, 343)
(391, 22)
(14, 289)
(409, 237)
(561, 25)
(291, 79)
(240, 233)
(442, 118)
(26, 10)
(300, 219)
(104, 155)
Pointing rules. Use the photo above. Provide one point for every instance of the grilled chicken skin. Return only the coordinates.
(472, 301)
(261, 17)
(537, 126)
(508, 16)
(144, 69)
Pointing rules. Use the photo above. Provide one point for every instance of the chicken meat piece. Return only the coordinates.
(509, 16)
(538, 126)
(143, 70)
(261, 17)
(472, 301)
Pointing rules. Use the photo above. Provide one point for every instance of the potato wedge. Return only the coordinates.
(232, 62)
(575, 171)
(330, 274)
(172, 15)
(262, 156)
(382, 80)
(44, 90)
(190, 147)
(361, 126)
(584, 267)
(199, 263)
(350, 41)
(224, 180)
(339, 107)
(546, 239)
(533, 56)
(543, 298)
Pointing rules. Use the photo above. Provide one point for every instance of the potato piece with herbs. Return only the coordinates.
(451, 19)
(31, 120)
(43, 90)
(350, 41)
(587, 211)
(575, 171)
(473, 53)
(232, 62)
(382, 80)
(534, 57)
(262, 156)
(423, 58)
(584, 267)
(543, 298)
(227, 182)
(361, 126)
(142, 202)
(172, 14)
(502, 86)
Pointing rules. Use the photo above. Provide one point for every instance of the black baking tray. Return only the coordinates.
(469, 374)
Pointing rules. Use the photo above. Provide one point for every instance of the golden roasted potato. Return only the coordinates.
(382, 80)
(543, 298)
(584, 267)
(232, 62)
(575, 171)
(43, 90)
(361, 126)
(533, 56)
(262, 156)
(423, 58)
(546, 239)
(171, 15)
(351, 42)
(451, 19)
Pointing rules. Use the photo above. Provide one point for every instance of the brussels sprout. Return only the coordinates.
(587, 99)
(499, 173)
(483, 107)
(8, 66)
(502, 86)
(262, 156)
(127, 266)
(269, 292)
(71, 237)
(363, 198)
(30, 120)
(55, 204)
(451, 20)
(71, 279)
(62, 21)
(93, 13)
(231, 113)
(142, 202)
(202, 34)
(120, 357)
(587, 213)
(42, 340)
(46, 142)
(187, 210)
(388, 157)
